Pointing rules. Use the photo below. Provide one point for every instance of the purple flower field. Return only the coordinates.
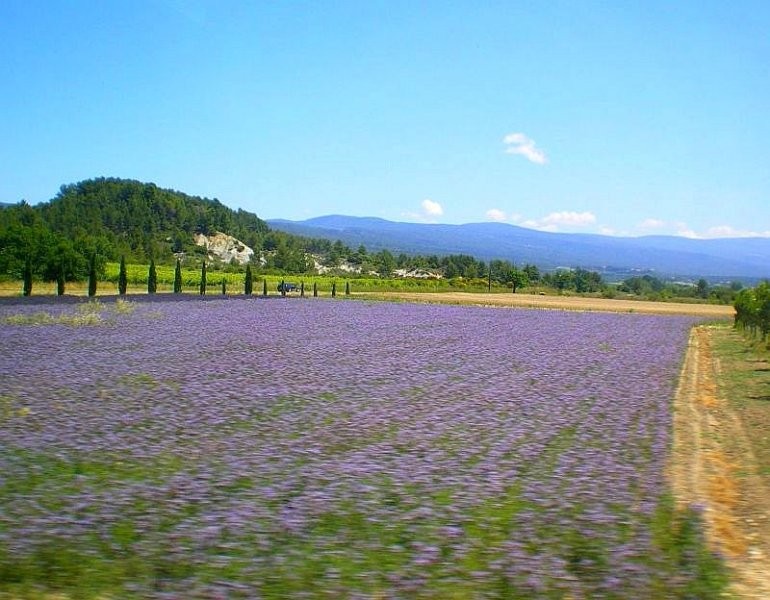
(252, 448)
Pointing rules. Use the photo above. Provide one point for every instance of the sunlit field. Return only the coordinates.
(268, 448)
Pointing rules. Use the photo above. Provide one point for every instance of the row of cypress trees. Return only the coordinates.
(152, 281)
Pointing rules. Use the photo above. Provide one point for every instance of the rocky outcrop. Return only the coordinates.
(225, 248)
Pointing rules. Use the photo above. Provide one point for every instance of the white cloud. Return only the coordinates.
(518, 143)
(728, 231)
(652, 224)
(495, 214)
(569, 218)
(431, 208)
(429, 211)
(683, 230)
(556, 220)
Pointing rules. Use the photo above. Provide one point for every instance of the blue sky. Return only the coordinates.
(625, 118)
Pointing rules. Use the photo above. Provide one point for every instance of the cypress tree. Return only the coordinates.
(224, 287)
(315, 289)
(347, 288)
(60, 281)
(122, 277)
(264, 287)
(248, 282)
(92, 277)
(203, 279)
(301, 289)
(27, 277)
(283, 288)
(178, 277)
(152, 278)
(334, 289)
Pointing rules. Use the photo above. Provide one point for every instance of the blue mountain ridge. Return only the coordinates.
(746, 259)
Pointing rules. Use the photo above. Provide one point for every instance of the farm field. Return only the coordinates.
(243, 448)
(579, 303)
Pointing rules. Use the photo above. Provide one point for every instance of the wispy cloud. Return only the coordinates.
(555, 221)
(495, 214)
(648, 224)
(683, 230)
(518, 143)
(570, 218)
(727, 231)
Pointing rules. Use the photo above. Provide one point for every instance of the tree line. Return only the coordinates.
(752, 311)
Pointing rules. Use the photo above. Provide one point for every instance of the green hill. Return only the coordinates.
(140, 219)
(113, 218)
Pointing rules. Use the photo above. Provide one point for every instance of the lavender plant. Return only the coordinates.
(391, 450)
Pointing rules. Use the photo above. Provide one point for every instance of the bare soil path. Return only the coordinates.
(714, 465)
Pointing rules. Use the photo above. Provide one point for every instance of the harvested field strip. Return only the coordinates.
(577, 303)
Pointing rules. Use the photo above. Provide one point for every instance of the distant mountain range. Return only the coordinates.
(746, 259)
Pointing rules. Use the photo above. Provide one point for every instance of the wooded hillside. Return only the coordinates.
(113, 218)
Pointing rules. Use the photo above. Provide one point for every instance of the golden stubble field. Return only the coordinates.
(708, 311)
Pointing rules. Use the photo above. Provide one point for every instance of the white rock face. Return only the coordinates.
(225, 248)
(417, 274)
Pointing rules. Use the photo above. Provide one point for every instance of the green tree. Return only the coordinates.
(517, 278)
(152, 278)
(224, 286)
(347, 288)
(122, 277)
(384, 263)
(752, 310)
(248, 282)
(92, 277)
(532, 272)
(27, 288)
(264, 287)
(178, 277)
(203, 279)
(703, 288)
(587, 281)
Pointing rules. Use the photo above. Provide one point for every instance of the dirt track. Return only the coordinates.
(561, 302)
(714, 465)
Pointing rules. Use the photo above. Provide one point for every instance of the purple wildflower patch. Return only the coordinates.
(250, 448)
